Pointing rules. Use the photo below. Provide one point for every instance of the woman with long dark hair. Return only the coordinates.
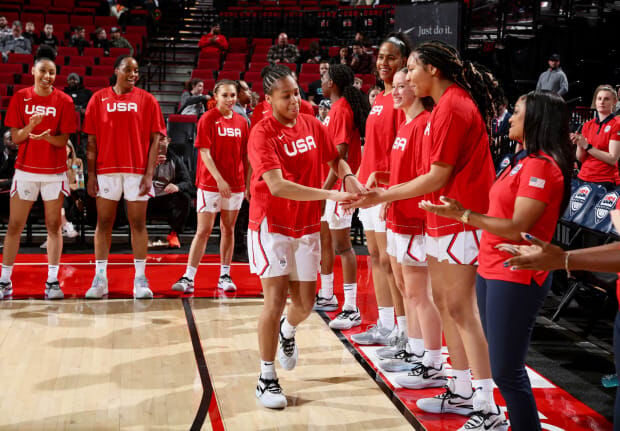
(345, 122)
(528, 196)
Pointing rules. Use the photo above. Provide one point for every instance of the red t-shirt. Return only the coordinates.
(536, 177)
(264, 110)
(227, 140)
(405, 216)
(342, 129)
(299, 151)
(456, 135)
(220, 41)
(381, 127)
(39, 156)
(122, 124)
(599, 134)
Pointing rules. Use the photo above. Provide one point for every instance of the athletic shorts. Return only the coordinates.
(460, 248)
(408, 250)
(113, 186)
(275, 255)
(27, 185)
(370, 219)
(213, 202)
(335, 216)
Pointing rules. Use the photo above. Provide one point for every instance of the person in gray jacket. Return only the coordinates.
(192, 100)
(16, 42)
(553, 79)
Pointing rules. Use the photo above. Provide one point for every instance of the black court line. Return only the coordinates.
(201, 363)
(398, 403)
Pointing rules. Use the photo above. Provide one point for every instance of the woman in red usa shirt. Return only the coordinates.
(41, 119)
(286, 152)
(457, 164)
(598, 144)
(528, 196)
(221, 176)
(123, 123)
(381, 127)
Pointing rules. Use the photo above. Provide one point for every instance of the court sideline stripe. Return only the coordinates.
(208, 402)
(398, 403)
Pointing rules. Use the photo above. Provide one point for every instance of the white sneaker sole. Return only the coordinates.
(325, 307)
(447, 408)
(95, 295)
(396, 367)
(179, 288)
(55, 295)
(342, 325)
(279, 403)
(143, 295)
(421, 383)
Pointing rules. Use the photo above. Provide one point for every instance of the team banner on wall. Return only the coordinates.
(430, 21)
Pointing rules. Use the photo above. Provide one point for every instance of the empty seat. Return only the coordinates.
(4, 89)
(234, 66)
(81, 20)
(252, 76)
(80, 70)
(20, 58)
(67, 51)
(96, 81)
(208, 63)
(11, 68)
(101, 70)
(93, 52)
(76, 60)
(26, 79)
(291, 66)
(56, 18)
(106, 21)
(229, 74)
(202, 73)
(309, 68)
(238, 44)
(115, 52)
(106, 61)
(7, 78)
(4, 102)
(237, 56)
(257, 66)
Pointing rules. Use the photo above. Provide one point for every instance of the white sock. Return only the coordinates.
(417, 346)
(350, 296)
(386, 317)
(327, 286)
(288, 330)
(140, 265)
(483, 399)
(224, 270)
(267, 369)
(432, 358)
(462, 382)
(190, 272)
(101, 268)
(401, 321)
(52, 273)
(7, 270)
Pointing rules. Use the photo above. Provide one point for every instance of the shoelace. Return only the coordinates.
(5, 284)
(344, 314)
(475, 420)
(226, 278)
(185, 280)
(448, 395)
(53, 285)
(271, 385)
(421, 370)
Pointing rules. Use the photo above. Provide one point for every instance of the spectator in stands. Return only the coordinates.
(30, 33)
(173, 191)
(372, 93)
(78, 39)
(244, 97)
(214, 39)
(118, 41)
(553, 79)
(283, 52)
(314, 54)
(500, 124)
(617, 109)
(78, 93)
(598, 144)
(74, 204)
(48, 37)
(324, 108)
(16, 42)
(192, 99)
(315, 91)
(360, 61)
(302, 93)
(8, 154)
(5, 30)
(358, 83)
(101, 40)
(254, 101)
(117, 10)
(343, 57)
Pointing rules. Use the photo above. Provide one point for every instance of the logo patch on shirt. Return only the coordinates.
(605, 205)
(399, 144)
(579, 198)
(376, 110)
(539, 183)
(607, 129)
(516, 169)
(300, 146)
(44, 110)
(427, 129)
(283, 262)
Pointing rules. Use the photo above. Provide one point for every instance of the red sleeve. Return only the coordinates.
(257, 115)
(262, 154)
(204, 40)
(204, 135)
(244, 137)
(13, 114)
(449, 130)
(328, 149)
(539, 180)
(340, 124)
(306, 108)
(615, 131)
(67, 120)
(158, 125)
(222, 42)
(90, 126)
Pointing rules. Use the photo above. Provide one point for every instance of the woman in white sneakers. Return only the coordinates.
(123, 123)
(41, 119)
(286, 151)
(221, 176)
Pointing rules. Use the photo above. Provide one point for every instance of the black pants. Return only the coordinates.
(241, 229)
(617, 361)
(175, 205)
(508, 312)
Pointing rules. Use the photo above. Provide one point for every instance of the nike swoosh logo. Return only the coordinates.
(466, 406)
(25, 100)
(104, 99)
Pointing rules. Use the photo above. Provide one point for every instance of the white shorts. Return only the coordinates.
(213, 202)
(460, 248)
(113, 186)
(275, 255)
(408, 250)
(370, 219)
(335, 216)
(27, 186)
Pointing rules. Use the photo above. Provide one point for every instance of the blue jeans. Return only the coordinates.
(617, 361)
(508, 312)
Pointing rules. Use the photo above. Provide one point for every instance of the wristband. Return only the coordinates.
(566, 264)
(589, 147)
(347, 175)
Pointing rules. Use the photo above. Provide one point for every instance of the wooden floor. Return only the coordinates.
(125, 364)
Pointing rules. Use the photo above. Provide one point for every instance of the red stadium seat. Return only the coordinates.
(261, 49)
(238, 44)
(27, 79)
(115, 52)
(309, 68)
(61, 80)
(208, 63)
(67, 51)
(291, 66)
(62, 31)
(11, 68)
(7, 78)
(96, 81)
(252, 76)
(18, 87)
(81, 20)
(202, 73)
(64, 3)
(106, 61)
(93, 52)
(20, 58)
(53, 18)
(80, 61)
(101, 71)
(4, 102)
(237, 56)
(105, 21)
(333, 51)
(229, 74)
(233, 66)
(4, 89)
(304, 43)
(258, 41)
(11, 16)
(80, 70)
(257, 66)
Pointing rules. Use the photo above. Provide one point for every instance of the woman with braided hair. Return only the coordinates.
(458, 165)
(345, 121)
(286, 151)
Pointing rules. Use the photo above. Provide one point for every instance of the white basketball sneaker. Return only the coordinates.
(448, 402)
(422, 377)
(53, 290)
(486, 419)
(184, 285)
(6, 289)
(287, 352)
(269, 393)
(98, 289)
(325, 304)
(141, 289)
(346, 319)
(226, 284)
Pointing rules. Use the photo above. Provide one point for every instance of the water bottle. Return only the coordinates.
(610, 381)
(79, 176)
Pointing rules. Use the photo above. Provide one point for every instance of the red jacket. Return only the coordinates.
(220, 41)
